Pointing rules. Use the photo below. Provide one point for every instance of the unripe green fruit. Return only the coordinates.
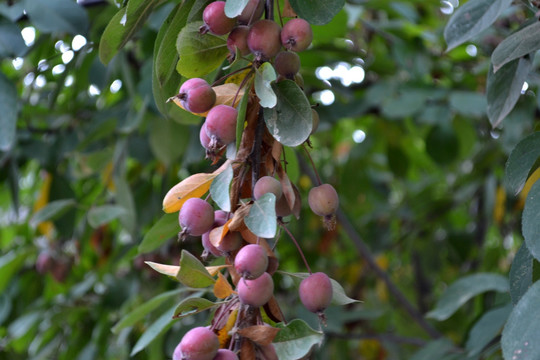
(256, 292)
(252, 12)
(323, 200)
(316, 292)
(287, 64)
(196, 95)
(199, 343)
(196, 217)
(296, 35)
(263, 39)
(251, 261)
(267, 184)
(215, 20)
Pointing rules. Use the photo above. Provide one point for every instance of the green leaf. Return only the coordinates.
(124, 198)
(159, 327)
(123, 26)
(264, 76)
(164, 229)
(141, 311)
(295, 340)
(520, 162)
(435, 349)
(530, 221)
(317, 12)
(11, 41)
(168, 140)
(241, 118)
(486, 329)
(338, 293)
(520, 334)
(51, 211)
(57, 16)
(472, 18)
(219, 190)
(8, 109)
(10, 263)
(192, 306)
(261, 219)
(520, 43)
(193, 273)
(442, 144)
(22, 325)
(290, 121)
(521, 273)
(100, 215)
(12, 11)
(468, 103)
(464, 289)
(199, 53)
(504, 88)
(233, 8)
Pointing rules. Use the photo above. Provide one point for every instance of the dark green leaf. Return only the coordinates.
(472, 18)
(317, 12)
(435, 349)
(100, 215)
(468, 103)
(8, 109)
(233, 8)
(51, 211)
(124, 198)
(486, 329)
(442, 144)
(290, 122)
(57, 16)
(520, 43)
(219, 190)
(192, 306)
(520, 162)
(261, 219)
(241, 118)
(520, 334)
(11, 40)
(10, 263)
(530, 222)
(162, 324)
(123, 26)
(295, 340)
(504, 88)
(199, 53)
(168, 140)
(521, 273)
(193, 273)
(164, 229)
(264, 76)
(12, 11)
(464, 289)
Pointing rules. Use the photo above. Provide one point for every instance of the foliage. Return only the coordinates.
(437, 232)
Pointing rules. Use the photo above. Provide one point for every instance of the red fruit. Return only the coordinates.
(199, 343)
(220, 218)
(221, 125)
(323, 200)
(238, 39)
(205, 140)
(196, 217)
(267, 184)
(255, 292)
(296, 35)
(263, 39)
(225, 354)
(196, 95)
(251, 261)
(287, 64)
(316, 292)
(215, 20)
(252, 12)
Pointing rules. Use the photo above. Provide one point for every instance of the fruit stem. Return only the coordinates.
(269, 10)
(282, 224)
(279, 13)
(312, 165)
(244, 80)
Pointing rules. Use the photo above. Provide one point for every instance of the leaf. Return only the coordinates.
(486, 329)
(471, 18)
(225, 95)
(123, 26)
(240, 120)
(124, 198)
(290, 121)
(530, 221)
(521, 273)
(51, 211)
(261, 219)
(233, 8)
(192, 306)
(264, 76)
(520, 334)
(464, 289)
(504, 88)
(169, 270)
(520, 162)
(138, 313)
(317, 12)
(435, 349)
(468, 103)
(164, 229)
(57, 16)
(442, 144)
(8, 109)
(261, 334)
(199, 53)
(295, 340)
(159, 327)
(11, 41)
(168, 140)
(338, 293)
(222, 288)
(192, 272)
(100, 215)
(194, 186)
(520, 43)
(219, 190)
(10, 263)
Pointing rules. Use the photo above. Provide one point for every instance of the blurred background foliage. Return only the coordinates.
(404, 138)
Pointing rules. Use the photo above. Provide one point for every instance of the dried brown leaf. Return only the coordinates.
(260, 334)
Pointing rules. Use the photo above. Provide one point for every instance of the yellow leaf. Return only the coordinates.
(528, 185)
(225, 95)
(107, 178)
(213, 270)
(500, 203)
(168, 270)
(222, 288)
(237, 79)
(46, 228)
(223, 334)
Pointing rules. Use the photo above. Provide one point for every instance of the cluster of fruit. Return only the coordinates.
(250, 259)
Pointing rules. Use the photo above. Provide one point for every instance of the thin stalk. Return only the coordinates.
(297, 245)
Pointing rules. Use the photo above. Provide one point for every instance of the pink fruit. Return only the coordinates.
(44, 262)
(196, 95)
(252, 12)
(196, 217)
(205, 140)
(296, 35)
(323, 200)
(267, 184)
(263, 39)
(256, 292)
(225, 354)
(238, 39)
(221, 125)
(215, 20)
(199, 343)
(316, 292)
(251, 261)
(287, 64)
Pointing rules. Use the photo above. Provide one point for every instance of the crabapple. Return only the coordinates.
(196, 217)
(238, 39)
(220, 218)
(199, 343)
(323, 200)
(251, 261)
(221, 125)
(256, 292)
(263, 39)
(196, 95)
(316, 292)
(267, 184)
(225, 354)
(287, 64)
(203, 137)
(252, 12)
(44, 262)
(296, 35)
(215, 20)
